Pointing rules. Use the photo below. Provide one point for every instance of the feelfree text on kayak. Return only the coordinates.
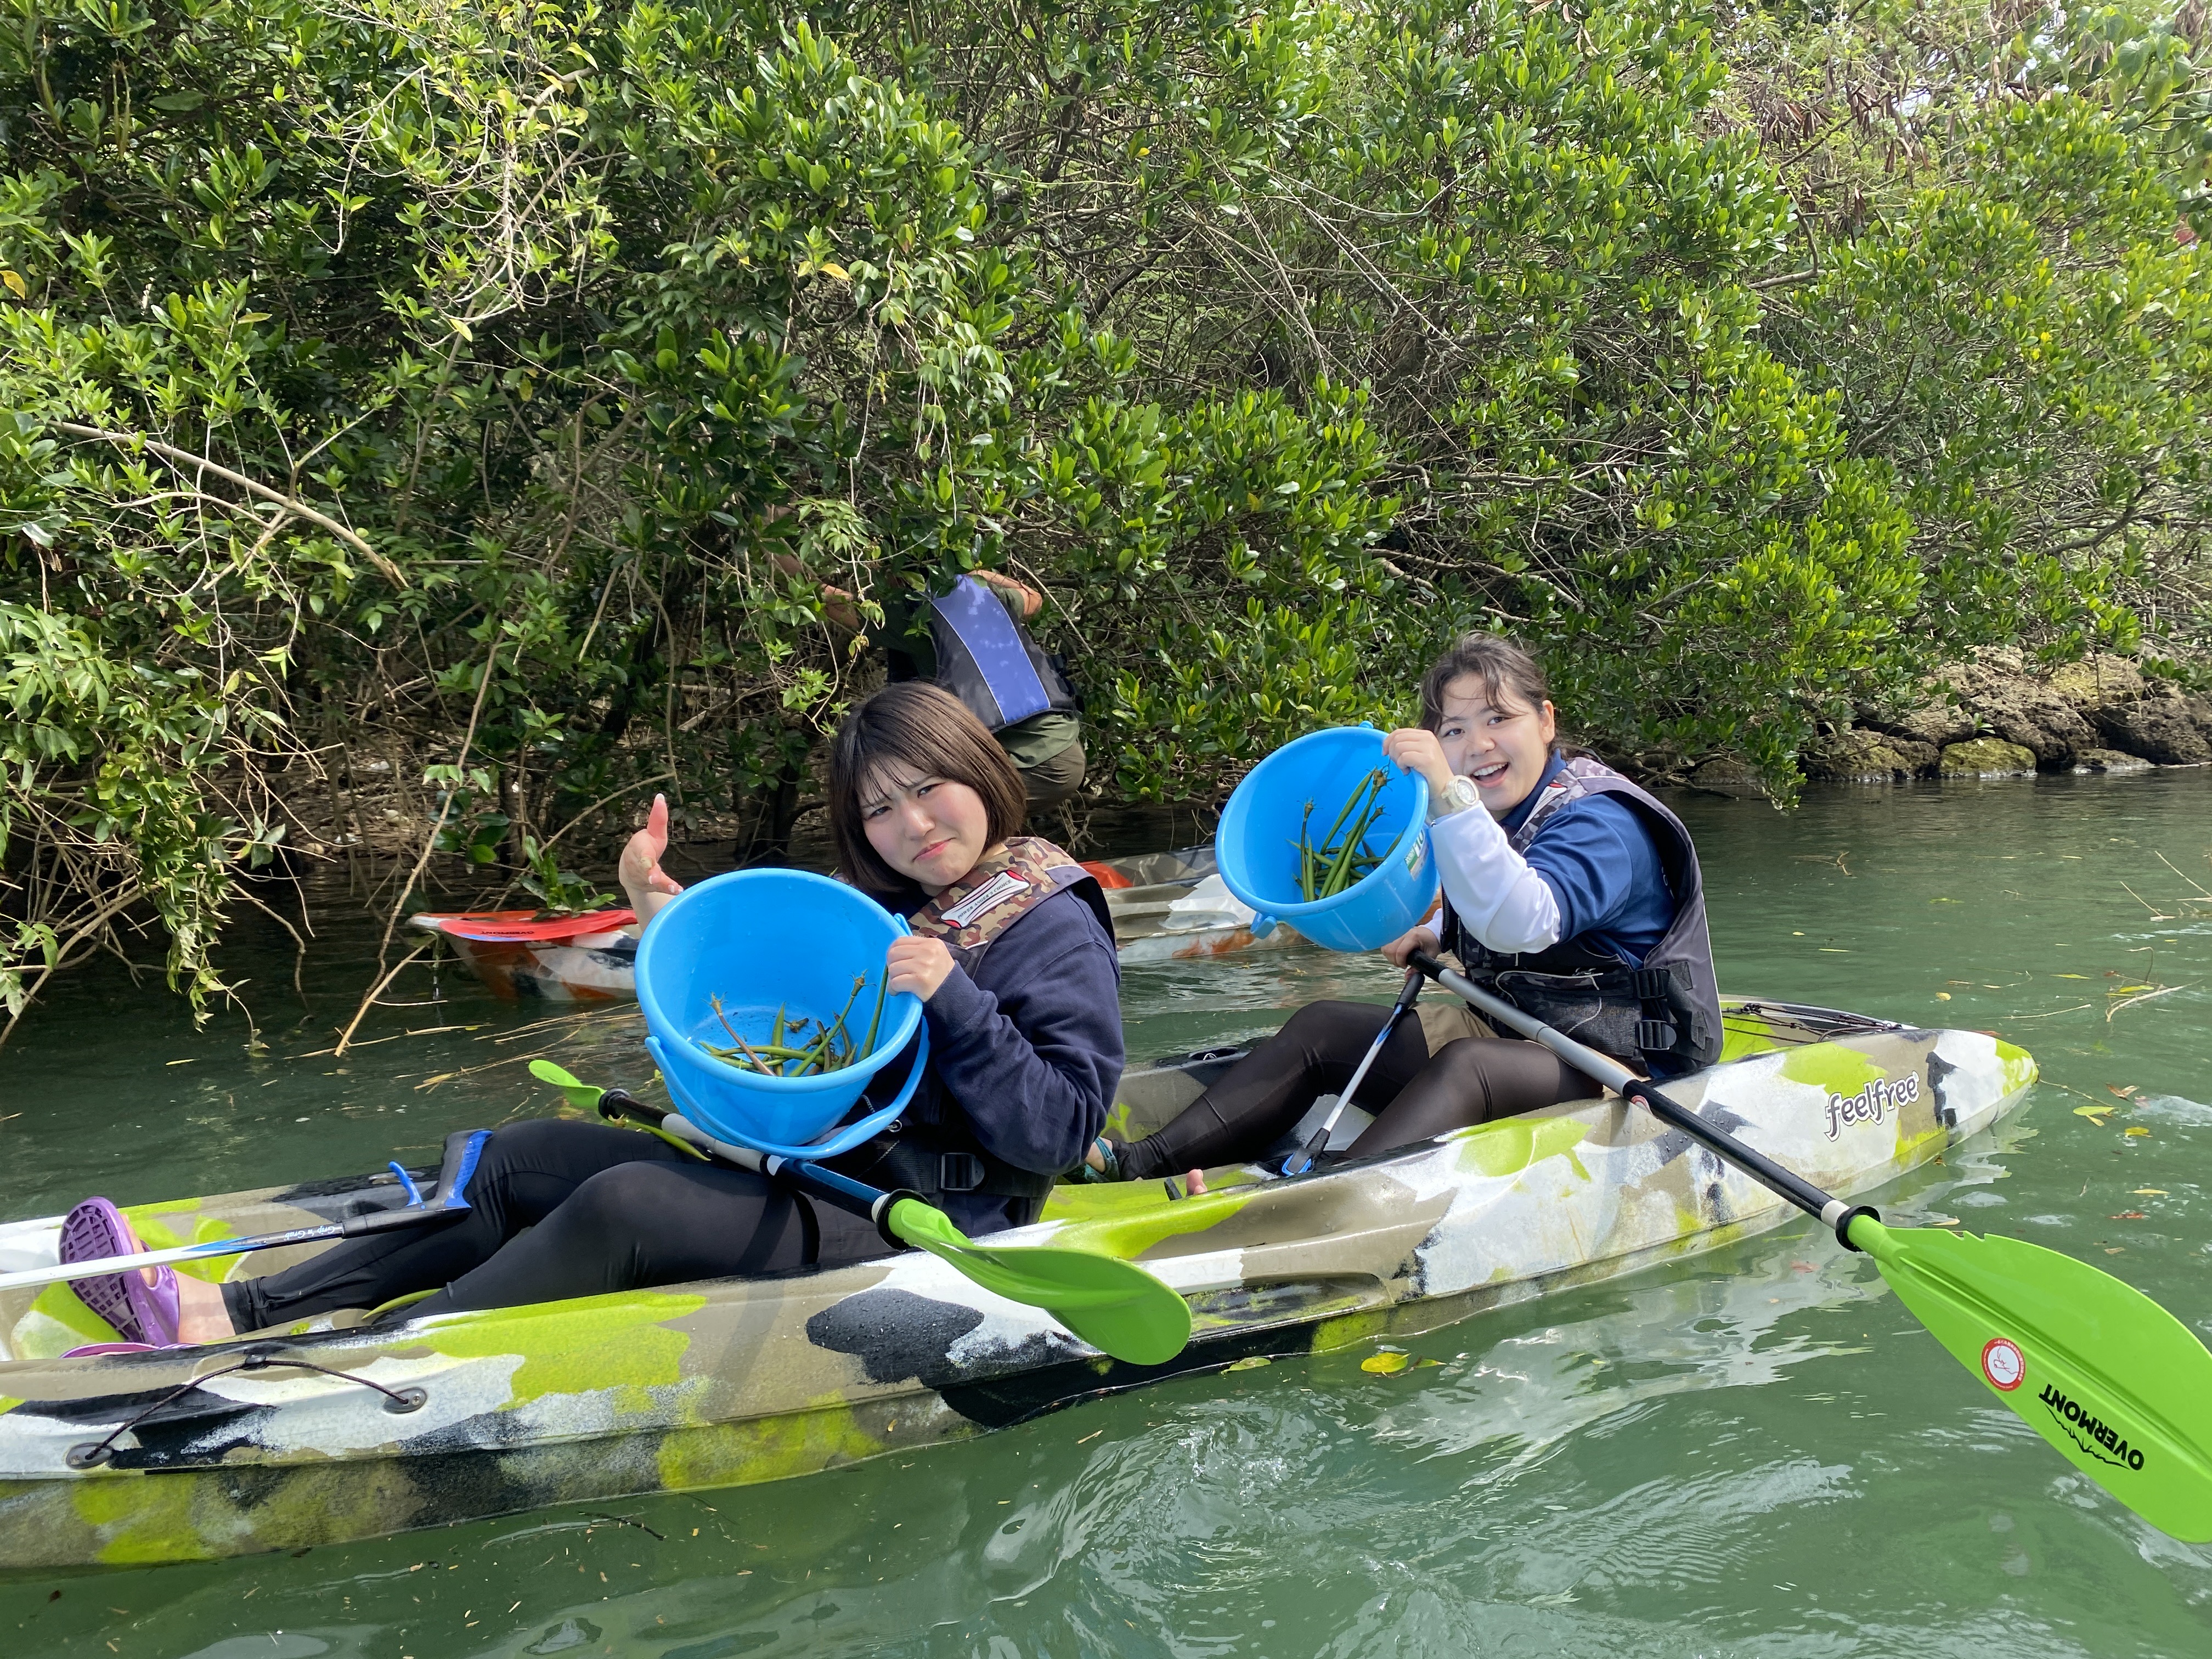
(1872, 1103)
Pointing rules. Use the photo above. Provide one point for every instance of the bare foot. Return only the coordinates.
(201, 1315)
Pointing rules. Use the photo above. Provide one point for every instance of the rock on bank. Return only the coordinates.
(1998, 719)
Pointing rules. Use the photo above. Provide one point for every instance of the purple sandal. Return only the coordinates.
(139, 1312)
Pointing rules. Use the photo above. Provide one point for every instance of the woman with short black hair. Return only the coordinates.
(1012, 955)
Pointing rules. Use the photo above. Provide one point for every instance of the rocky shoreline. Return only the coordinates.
(1995, 717)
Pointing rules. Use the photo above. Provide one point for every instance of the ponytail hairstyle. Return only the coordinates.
(1508, 675)
(928, 733)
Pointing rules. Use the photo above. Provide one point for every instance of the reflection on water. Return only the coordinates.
(1756, 1452)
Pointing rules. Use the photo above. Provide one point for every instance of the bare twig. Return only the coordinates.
(429, 845)
(185, 458)
(345, 1037)
(2146, 996)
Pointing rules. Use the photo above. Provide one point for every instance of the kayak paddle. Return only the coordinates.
(2119, 1386)
(1302, 1160)
(463, 1147)
(1115, 1306)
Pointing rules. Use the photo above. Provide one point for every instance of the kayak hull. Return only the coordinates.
(589, 964)
(732, 1382)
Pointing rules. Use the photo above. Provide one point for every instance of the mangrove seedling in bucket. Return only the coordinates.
(831, 1049)
(1335, 865)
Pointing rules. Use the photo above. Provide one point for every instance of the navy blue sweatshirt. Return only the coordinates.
(1029, 1048)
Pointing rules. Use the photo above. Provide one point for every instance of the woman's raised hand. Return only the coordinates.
(1399, 952)
(647, 884)
(1415, 748)
(917, 965)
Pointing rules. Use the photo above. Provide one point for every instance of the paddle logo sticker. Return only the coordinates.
(1873, 1103)
(2002, 1364)
(2098, 1438)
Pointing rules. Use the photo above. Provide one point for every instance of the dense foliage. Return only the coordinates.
(494, 387)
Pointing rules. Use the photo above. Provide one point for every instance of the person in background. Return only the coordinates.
(971, 642)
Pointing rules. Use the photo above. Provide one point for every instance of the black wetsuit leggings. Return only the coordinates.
(559, 1209)
(1415, 1094)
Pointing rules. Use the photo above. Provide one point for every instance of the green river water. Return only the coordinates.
(1757, 1454)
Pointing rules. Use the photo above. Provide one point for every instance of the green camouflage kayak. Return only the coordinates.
(238, 1447)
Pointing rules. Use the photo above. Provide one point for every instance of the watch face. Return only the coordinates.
(1459, 794)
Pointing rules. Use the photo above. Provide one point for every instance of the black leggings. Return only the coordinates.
(558, 1209)
(1468, 1080)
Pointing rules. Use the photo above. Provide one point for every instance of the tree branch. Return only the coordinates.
(185, 457)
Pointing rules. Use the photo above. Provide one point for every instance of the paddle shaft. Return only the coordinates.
(1114, 1306)
(1830, 1211)
(455, 1167)
(377, 1221)
(1407, 994)
(841, 1192)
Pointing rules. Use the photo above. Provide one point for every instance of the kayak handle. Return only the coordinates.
(91, 1454)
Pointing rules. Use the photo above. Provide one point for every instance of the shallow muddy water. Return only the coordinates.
(1756, 1454)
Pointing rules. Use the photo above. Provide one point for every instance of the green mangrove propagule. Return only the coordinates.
(830, 1049)
(1325, 871)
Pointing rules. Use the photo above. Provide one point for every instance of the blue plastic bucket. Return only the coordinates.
(1256, 843)
(761, 940)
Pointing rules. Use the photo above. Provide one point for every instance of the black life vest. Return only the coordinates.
(987, 659)
(932, 1148)
(1665, 1015)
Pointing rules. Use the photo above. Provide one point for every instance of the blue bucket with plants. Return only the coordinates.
(764, 997)
(1329, 836)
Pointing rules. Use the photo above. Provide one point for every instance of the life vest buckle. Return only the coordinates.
(959, 1172)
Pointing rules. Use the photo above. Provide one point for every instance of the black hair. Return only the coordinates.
(932, 732)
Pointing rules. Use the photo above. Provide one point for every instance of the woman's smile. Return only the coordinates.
(1503, 747)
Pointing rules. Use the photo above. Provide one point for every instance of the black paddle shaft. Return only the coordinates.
(1302, 1160)
(840, 1192)
(1605, 1069)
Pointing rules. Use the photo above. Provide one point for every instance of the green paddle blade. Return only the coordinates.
(2118, 1385)
(583, 1096)
(1115, 1306)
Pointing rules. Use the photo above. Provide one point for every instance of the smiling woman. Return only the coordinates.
(1573, 894)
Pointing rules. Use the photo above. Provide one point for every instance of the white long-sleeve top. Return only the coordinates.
(1498, 897)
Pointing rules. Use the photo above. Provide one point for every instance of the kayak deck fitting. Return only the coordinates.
(731, 1382)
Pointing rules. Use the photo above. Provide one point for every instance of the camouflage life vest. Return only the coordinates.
(998, 892)
(933, 1149)
(1665, 1015)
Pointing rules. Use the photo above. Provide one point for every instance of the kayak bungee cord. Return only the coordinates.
(2116, 1384)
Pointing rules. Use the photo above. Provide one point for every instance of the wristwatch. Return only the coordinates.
(1458, 795)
